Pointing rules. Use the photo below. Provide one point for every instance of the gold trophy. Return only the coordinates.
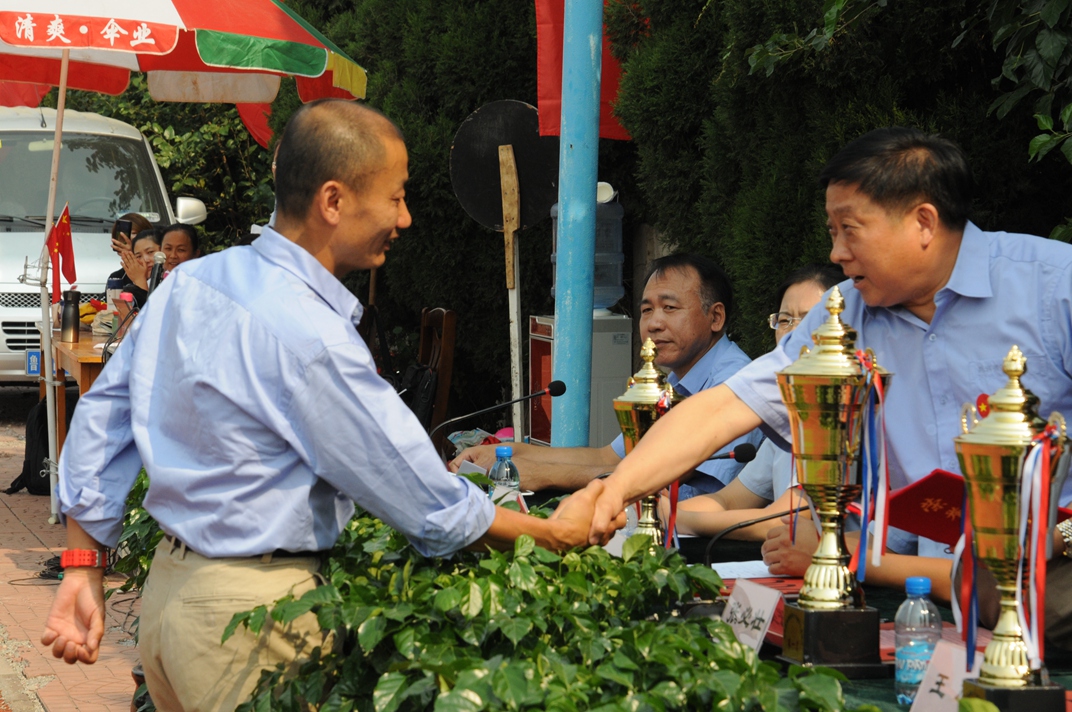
(826, 392)
(991, 454)
(647, 397)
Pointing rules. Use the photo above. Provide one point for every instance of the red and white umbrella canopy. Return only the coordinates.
(190, 50)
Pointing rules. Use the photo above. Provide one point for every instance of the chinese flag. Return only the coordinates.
(61, 252)
(550, 16)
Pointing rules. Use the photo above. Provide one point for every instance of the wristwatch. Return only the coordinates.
(1065, 530)
(96, 558)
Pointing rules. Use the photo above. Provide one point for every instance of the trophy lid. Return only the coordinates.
(648, 385)
(1013, 419)
(835, 346)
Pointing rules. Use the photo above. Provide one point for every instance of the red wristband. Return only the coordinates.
(97, 558)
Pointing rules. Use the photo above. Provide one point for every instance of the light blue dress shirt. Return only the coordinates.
(255, 406)
(1005, 289)
(720, 362)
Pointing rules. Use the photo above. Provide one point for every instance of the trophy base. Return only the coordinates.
(1036, 698)
(845, 640)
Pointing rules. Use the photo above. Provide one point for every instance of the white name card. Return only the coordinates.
(750, 611)
(942, 682)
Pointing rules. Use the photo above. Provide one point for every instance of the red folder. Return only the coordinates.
(931, 507)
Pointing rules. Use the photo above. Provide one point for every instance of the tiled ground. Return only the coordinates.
(27, 540)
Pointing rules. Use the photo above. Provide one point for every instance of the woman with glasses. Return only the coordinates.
(762, 486)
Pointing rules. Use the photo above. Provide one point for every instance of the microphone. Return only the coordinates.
(554, 389)
(745, 452)
(158, 271)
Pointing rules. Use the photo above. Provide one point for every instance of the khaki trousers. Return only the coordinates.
(188, 601)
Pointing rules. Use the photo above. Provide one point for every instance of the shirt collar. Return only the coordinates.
(695, 380)
(971, 273)
(286, 254)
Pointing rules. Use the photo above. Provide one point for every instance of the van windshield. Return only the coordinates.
(100, 177)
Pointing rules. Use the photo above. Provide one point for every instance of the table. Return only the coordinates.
(82, 362)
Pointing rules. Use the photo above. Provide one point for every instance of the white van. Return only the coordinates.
(106, 169)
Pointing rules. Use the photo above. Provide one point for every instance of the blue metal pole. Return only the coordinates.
(582, 54)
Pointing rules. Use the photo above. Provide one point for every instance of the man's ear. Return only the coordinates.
(718, 317)
(327, 202)
(927, 221)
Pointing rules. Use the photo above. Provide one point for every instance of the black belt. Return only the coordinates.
(277, 554)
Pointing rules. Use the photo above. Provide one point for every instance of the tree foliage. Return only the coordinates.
(203, 151)
(523, 630)
(729, 153)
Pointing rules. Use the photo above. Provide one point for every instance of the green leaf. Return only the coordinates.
(236, 620)
(1038, 144)
(823, 690)
(459, 701)
(474, 602)
(1051, 45)
(635, 544)
(524, 545)
(515, 628)
(523, 575)
(974, 704)
(388, 693)
(1051, 12)
(448, 599)
(1066, 116)
(706, 576)
(1066, 149)
(1045, 122)
(608, 671)
(371, 632)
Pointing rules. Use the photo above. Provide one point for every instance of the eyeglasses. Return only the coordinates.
(781, 320)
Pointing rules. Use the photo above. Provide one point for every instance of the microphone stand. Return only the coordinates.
(742, 525)
(497, 406)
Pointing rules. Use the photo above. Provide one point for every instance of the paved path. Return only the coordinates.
(30, 678)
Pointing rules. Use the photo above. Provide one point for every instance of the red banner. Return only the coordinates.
(549, 23)
(61, 252)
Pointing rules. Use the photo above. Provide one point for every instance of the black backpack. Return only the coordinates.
(34, 477)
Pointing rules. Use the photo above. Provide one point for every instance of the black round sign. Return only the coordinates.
(474, 163)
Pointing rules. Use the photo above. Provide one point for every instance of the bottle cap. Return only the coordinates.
(504, 451)
(917, 586)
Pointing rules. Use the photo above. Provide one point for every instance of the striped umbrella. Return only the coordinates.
(190, 50)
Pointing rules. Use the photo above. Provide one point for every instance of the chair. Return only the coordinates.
(437, 353)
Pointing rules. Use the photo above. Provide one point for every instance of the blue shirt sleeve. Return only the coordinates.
(100, 460)
(358, 436)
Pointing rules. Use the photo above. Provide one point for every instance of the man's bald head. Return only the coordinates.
(328, 140)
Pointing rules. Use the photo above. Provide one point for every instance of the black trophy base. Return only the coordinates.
(845, 639)
(1037, 698)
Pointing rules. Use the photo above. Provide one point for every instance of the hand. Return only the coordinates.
(75, 624)
(574, 518)
(134, 268)
(609, 506)
(482, 455)
(785, 558)
(121, 243)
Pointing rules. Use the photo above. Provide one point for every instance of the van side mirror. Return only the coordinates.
(190, 211)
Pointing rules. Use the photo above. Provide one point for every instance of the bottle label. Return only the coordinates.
(912, 662)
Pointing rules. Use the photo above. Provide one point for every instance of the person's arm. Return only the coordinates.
(708, 515)
(75, 624)
(566, 528)
(568, 468)
(675, 444)
(786, 558)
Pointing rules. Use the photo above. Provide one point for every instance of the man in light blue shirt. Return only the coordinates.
(686, 303)
(255, 407)
(938, 300)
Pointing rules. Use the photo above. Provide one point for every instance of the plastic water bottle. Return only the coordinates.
(504, 472)
(917, 629)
